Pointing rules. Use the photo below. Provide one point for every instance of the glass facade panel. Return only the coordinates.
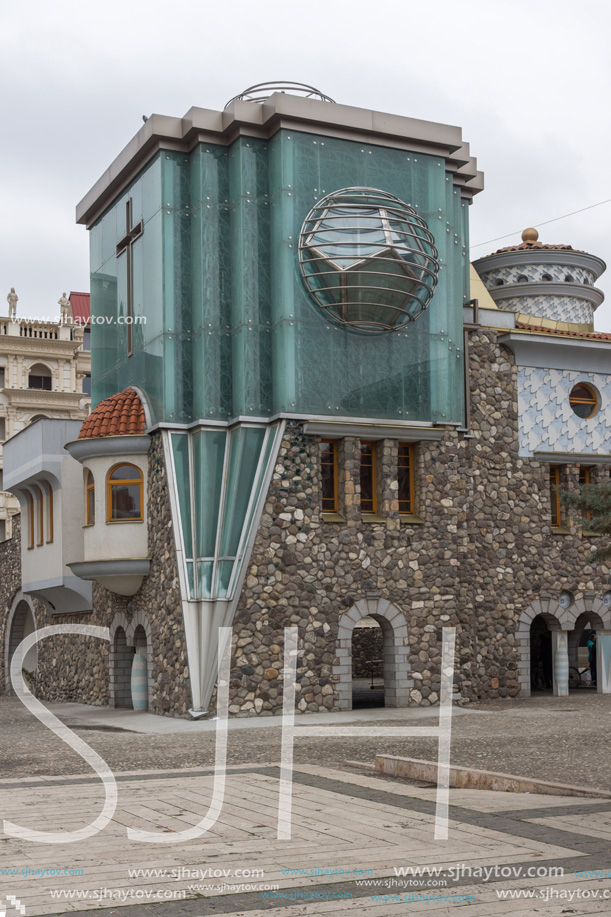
(244, 454)
(208, 459)
(231, 330)
(223, 466)
(180, 451)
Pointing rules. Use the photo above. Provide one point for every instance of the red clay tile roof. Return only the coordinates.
(591, 335)
(119, 415)
(536, 247)
(81, 308)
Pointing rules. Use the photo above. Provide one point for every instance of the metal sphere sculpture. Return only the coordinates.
(368, 260)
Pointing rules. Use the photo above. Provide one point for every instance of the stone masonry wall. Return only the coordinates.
(77, 668)
(482, 553)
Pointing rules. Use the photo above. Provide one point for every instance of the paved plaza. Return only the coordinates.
(352, 831)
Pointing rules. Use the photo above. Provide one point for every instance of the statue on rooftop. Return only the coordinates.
(12, 300)
(64, 304)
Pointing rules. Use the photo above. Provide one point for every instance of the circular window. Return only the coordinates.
(368, 260)
(584, 400)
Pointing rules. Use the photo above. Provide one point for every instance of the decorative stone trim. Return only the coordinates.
(397, 682)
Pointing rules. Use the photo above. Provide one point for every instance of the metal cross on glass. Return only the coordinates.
(125, 245)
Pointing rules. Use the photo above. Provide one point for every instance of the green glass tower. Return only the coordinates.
(286, 258)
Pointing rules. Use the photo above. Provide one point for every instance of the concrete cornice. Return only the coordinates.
(592, 295)
(280, 111)
(572, 458)
(24, 346)
(541, 256)
(83, 449)
(547, 351)
(28, 397)
(372, 431)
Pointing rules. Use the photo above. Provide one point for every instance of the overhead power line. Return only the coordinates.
(544, 223)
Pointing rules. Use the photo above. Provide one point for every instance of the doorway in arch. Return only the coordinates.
(123, 657)
(582, 672)
(142, 648)
(541, 657)
(22, 625)
(368, 663)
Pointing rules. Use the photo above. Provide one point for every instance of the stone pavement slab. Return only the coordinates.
(349, 832)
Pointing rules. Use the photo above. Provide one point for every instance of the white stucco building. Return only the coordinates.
(45, 371)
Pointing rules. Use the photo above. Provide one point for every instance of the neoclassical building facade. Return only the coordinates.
(327, 417)
(45, 371)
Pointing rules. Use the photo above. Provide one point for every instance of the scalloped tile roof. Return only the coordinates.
(537, 247)
(119, 415)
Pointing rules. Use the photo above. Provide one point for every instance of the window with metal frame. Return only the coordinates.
(328, 468)
(554, 493)
(124, 494)
(369, 502)
(89, 499)
(405, 477)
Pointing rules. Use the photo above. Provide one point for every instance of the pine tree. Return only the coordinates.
(594, 503)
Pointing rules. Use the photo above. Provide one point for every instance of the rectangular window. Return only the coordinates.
(405, 476)
(87, 385)
(369, 503)
(2, 429)
(2, 382)
(43, 383)
(585, 477)
(554, 494)
(41, 516)
(328, 467)
(30, 521)
(50, 511)
(2, 530)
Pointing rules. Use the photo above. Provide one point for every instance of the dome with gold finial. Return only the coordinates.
(548, 281)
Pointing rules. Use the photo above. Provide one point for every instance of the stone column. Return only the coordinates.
(387, 457)
(560, 659)
(349, 479)
(61, 375)
(603, 661)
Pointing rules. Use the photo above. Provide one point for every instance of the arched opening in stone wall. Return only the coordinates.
(580, 671)
(121, 667)
(22, 625)
(541, 655)
(140, 689)
(368, 645)
(397, 674)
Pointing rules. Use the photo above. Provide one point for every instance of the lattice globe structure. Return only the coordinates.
(368, 260)
(260, 92)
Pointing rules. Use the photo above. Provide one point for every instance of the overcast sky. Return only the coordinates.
(527, 80)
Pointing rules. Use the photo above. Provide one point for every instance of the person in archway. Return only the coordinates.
(592, 656)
